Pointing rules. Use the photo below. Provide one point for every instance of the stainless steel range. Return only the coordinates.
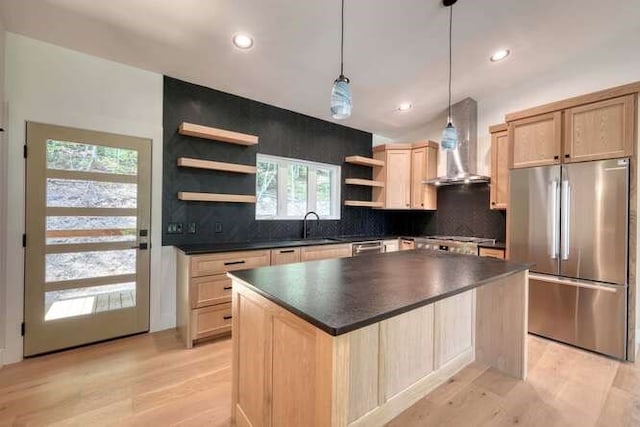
(457, 244)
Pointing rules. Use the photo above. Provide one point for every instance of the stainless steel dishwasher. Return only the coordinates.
(367, 248)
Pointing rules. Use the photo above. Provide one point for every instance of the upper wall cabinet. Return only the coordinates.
(406, 167)
(601, 130)
(499, 186)
(536, 141)
(396, 174)
(424, 165)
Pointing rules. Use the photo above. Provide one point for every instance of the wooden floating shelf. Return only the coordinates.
(216, 134)
(364, 161)
(214, 197)
(188, 162)
(363, 204)
(365, 182)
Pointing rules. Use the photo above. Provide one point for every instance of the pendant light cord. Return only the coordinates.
(342, 40)
(450, 49)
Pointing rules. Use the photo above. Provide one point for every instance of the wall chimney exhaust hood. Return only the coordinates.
(462, 162)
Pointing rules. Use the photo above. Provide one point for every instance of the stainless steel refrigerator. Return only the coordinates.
(571, 221)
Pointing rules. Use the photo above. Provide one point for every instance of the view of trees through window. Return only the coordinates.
(288, 188)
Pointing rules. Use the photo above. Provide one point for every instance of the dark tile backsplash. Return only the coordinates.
(462, 210)
(282, 133)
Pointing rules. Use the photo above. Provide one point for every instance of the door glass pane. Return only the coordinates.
(94, 299)
(323, 192)
(267, 189)
(91, 158)
(297, 190)
(90, 194)
(83, 265)
(90, 229)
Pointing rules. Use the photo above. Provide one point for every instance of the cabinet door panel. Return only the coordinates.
(536, 141)
(499, 170)
(602, 130)
(285, 256)
(418, 166)
(398, 185)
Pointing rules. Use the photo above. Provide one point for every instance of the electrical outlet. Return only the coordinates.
(191, 228)
(174, 228)
(218, 227)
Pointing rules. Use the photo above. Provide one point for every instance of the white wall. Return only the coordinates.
(3, 198)
(49, 84)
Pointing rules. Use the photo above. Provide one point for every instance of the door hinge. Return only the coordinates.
(24, 151)
(22, 328)
(24, 240)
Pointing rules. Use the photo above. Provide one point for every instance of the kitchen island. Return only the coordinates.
(356, 341)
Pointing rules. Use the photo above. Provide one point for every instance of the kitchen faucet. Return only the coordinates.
(304, 223)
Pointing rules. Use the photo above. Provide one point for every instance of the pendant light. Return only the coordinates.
(341, 92)
(450, 134)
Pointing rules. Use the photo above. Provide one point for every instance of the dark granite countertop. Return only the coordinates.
(206, 248)
(496, 245)
(342, 295)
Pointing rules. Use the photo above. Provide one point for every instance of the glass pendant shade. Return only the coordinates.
(341, 98)
(449, 138)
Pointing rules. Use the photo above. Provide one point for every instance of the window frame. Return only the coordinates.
(283, 164)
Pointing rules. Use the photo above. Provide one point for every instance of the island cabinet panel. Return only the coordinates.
(363, 375)
(285, 370)
(254, 337)
(501, 334)
(316, 253)
(602, 130)
(407, 347)
(536, 141)
(454, 327)
(294, 364)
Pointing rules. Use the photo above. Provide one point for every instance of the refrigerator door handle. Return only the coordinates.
(588, 284)
(555, 238)
(566, 215)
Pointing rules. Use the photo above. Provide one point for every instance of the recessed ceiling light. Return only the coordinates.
(405, 106)
(242, 41)
(499, 55)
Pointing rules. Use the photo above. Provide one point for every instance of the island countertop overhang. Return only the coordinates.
(341, 295)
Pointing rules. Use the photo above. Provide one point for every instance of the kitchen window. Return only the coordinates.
(289, 188)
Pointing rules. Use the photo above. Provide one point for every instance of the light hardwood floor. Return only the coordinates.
(151, 380)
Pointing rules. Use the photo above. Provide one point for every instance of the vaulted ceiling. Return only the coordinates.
(395, 51)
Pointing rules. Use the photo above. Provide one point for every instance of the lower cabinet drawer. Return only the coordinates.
(209, 321)
(493, 253)
(207, 265)
(210, 290)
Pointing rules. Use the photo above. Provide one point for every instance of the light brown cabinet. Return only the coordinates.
(391, 245)
(316, 253)
(396, 174)
(536, 141)
(601, 130)
(593, 131)
(285, 256)
(424, 165)
(406, 167)
(491, 252)
(407, 245)
(499, 188)
(203, 298)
